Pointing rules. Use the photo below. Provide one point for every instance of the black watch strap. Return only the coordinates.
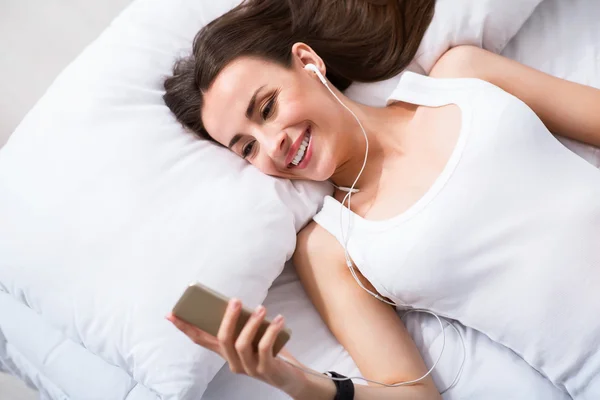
(344, 389)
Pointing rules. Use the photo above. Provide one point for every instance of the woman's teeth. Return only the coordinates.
(301, 151)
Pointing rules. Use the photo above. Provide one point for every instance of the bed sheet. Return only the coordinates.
(561, 38)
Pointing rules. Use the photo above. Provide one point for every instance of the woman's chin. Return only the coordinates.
(320, 176)
(315, 173)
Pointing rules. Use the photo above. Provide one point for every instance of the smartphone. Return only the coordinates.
(205, 308)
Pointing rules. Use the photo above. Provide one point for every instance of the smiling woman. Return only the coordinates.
(277, 118)
(234, 97)
(342, 33)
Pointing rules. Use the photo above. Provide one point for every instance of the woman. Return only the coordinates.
(468, 206)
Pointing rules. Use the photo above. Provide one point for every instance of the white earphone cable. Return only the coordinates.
(349, 263)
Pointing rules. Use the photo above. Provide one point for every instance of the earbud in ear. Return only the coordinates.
(313, 68)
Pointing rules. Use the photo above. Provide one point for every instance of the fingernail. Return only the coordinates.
(278, 319)
(259, 311)
(234, 304)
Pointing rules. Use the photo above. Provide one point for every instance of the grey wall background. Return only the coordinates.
(38, 38)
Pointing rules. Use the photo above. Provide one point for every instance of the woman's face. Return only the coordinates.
(283, 121)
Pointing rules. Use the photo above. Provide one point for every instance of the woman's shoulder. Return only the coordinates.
(315, 242)
(471, 62)
(460, 62)
(470, 68)
(316, 237)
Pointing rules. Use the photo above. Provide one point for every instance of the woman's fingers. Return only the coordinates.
(226, 336)
(196, 334)
(239, 352)
(266, 344)
(243, 344)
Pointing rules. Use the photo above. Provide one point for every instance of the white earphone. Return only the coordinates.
(350, 264)
(313, 68)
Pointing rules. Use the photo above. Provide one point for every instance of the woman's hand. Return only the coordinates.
(240, 354)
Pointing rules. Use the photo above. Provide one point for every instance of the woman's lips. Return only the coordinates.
(296, 147)
(308, 152)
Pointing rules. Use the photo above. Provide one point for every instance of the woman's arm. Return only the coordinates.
(370, 330)
(568, 109)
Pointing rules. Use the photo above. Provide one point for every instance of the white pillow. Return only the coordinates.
(108, 208)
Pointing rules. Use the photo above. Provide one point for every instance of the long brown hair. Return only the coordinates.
(358, 40)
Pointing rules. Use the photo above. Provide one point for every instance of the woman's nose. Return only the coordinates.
(276, 145)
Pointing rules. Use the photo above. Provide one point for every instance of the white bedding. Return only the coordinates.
(562, 38)
(44, 358)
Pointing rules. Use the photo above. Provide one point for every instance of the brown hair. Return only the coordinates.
(358, 40)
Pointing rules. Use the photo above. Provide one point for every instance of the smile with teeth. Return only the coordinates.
(302, 150)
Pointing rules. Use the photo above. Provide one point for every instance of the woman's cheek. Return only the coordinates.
(297, 106)
(291, 114)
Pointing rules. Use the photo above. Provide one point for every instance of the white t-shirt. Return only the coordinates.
(506, 241)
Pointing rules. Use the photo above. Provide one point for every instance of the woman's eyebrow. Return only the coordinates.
(236, 138)
(252, 104)
(249, 111)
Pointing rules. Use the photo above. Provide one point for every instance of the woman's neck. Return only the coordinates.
(385, 129)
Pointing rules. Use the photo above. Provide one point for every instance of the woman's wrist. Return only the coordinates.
(314, 388)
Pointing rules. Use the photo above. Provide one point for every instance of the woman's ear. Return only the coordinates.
(305, 55)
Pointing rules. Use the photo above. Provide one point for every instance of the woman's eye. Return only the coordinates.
(247, 149)
(268, 108)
